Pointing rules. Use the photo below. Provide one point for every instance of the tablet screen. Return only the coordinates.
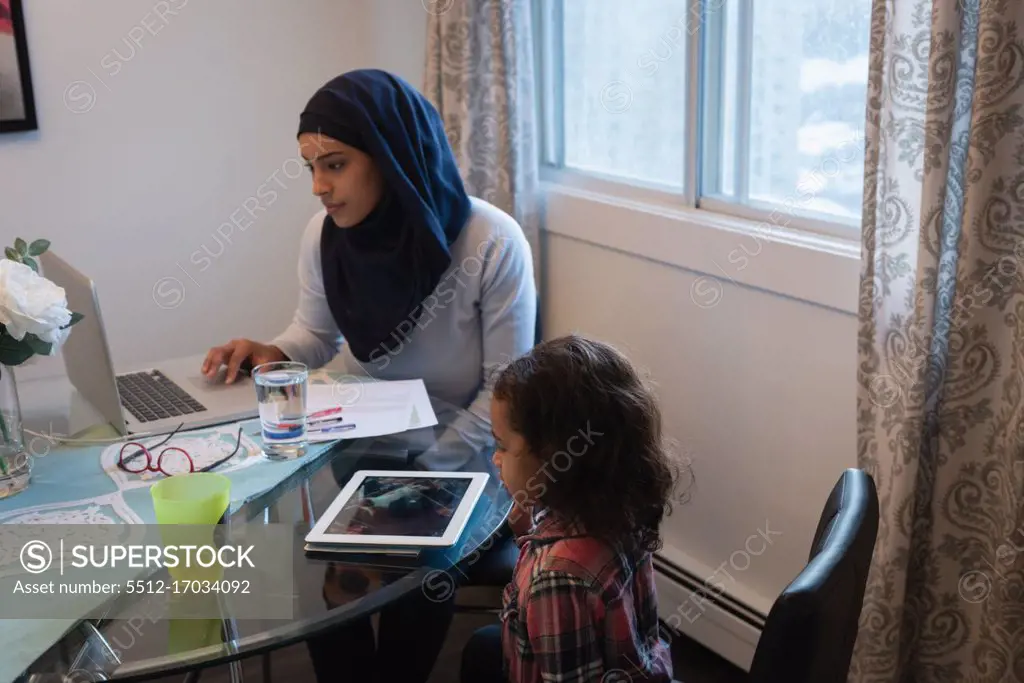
(400, 506)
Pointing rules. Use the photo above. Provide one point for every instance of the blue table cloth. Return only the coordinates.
(75, 484)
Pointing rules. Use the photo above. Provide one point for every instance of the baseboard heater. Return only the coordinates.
(690, 605)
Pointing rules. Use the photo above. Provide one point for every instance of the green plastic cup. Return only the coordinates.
(186, 635)
(195, 498)
(188, 507)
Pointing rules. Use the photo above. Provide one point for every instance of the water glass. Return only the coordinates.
(281, 389)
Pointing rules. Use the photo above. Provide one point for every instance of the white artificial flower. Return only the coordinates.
(29, 303)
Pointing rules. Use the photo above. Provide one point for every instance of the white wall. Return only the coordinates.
(398, 37)
(758, 390)
(159, 122)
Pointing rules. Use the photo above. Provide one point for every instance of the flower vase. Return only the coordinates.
(15, 464)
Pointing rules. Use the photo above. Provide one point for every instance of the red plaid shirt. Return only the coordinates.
(577, 610)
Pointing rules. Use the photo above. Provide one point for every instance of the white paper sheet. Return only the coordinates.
(376, 408)
(423, 412)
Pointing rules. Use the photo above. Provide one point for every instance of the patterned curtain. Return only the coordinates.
(480, 77)
(941, 342)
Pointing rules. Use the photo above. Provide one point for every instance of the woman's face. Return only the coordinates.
(345, 179)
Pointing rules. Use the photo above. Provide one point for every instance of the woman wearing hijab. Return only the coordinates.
(402, 273)
(406, 276)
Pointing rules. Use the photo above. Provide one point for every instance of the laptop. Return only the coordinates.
(149, 400)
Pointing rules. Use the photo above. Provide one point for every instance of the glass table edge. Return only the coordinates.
(291, 633)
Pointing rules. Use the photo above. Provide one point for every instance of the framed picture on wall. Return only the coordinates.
(17, 104)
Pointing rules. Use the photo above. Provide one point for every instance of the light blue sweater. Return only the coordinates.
(481, 315)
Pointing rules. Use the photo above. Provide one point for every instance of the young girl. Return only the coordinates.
(579, 447)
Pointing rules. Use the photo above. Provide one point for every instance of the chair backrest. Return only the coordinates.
(812, 626)
(538, 333)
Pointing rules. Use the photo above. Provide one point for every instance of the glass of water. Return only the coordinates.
(281, 389)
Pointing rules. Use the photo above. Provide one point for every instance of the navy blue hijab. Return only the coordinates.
(377, 273)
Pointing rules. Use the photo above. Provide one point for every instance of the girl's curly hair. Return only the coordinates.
(584, 411)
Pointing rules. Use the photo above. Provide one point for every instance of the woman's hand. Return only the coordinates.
(234, 352)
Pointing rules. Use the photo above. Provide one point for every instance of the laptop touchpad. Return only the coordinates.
(218, 381)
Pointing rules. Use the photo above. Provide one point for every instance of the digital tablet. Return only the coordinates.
(395, 508)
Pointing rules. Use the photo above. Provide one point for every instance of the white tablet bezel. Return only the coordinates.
(451, 534)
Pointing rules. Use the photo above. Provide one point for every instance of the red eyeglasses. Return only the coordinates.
(131, 463)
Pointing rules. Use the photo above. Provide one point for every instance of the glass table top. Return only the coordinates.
(326, 591)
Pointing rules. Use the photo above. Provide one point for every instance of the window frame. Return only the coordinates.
(703, 97)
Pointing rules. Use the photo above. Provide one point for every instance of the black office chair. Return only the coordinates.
(811, 628)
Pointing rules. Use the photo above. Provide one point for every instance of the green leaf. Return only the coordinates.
(20, 246)
(37, 345)
(12, 254)
(75, 317)
(30, 262)
(38, 247)
(12, 351)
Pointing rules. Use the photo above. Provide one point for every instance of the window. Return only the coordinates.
(624, 114)
(733, 105)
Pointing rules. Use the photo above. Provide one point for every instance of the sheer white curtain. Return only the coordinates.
(941, 343)
(480, 76)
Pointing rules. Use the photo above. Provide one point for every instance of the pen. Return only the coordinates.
(324, 413)
(324, 421)
(339, 428)
(310, 422)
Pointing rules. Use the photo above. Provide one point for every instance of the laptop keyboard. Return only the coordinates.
(152, 396)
